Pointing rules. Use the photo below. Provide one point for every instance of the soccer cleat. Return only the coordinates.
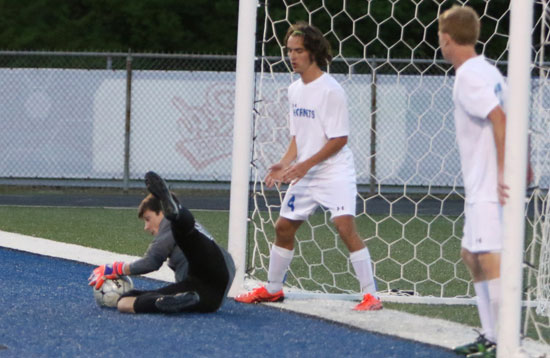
(489, 352)
(178, 302)
(158, 187)
(260, 294)
(479, 345)
(369, 303)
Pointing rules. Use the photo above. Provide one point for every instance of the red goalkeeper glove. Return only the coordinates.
(105, 272)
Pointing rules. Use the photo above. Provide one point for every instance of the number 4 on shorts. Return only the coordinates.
(290, 203)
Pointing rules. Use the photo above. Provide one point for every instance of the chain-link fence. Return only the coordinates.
(110, 117)
(113, 116)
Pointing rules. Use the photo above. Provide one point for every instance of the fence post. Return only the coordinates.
(126, 175)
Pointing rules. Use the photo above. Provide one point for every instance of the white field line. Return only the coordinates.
(73, 252)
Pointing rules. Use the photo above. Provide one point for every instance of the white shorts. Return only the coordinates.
(482, 227)
(302, 199)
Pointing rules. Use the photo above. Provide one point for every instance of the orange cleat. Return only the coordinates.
(260, 294)
(369, 303)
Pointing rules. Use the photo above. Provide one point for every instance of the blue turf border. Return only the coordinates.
(47, 310)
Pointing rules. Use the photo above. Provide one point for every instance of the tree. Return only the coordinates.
(191, 26)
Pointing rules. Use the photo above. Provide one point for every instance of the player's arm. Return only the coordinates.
(158, 251)
(275, 173)
(498, 119)
(297, 171)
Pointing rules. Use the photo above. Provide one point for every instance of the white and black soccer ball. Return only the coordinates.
(111, 290)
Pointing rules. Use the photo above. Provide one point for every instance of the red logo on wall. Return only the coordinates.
(206, 129)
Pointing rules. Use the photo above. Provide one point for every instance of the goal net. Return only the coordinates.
(410, 203)
(537, 255)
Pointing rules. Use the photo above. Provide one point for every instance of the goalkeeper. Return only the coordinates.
(204, 271)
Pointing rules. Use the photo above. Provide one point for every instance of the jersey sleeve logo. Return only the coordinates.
(498, 93)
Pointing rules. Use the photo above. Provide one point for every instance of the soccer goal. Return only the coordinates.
(410, 204)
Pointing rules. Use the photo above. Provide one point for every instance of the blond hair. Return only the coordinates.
(461, 24)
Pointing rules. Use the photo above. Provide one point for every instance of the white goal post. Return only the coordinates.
(242, 139)
(519, 68)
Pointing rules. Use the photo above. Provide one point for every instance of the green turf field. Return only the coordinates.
(419, 253)
(116, 230)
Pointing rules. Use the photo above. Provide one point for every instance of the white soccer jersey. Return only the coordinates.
(318, 112)
(479, 87)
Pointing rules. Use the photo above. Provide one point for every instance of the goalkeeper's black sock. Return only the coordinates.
(180, 302)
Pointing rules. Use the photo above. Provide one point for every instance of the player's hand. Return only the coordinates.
(502, 189)
(275, 175)
(295, 172)
(105, 272)
(530, 174)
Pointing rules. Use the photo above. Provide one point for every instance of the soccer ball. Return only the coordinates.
(111, 290)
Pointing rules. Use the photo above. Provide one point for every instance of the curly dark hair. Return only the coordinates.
(314, 42)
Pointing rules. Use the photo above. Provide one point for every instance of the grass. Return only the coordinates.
(116, 230)
(409, 253)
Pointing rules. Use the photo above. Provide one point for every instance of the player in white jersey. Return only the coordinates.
(479, 94)
(318, 164)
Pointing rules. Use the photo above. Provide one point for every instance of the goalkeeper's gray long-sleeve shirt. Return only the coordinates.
(162, 248)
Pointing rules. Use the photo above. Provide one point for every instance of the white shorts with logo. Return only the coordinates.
(302, 199)
(482, 227)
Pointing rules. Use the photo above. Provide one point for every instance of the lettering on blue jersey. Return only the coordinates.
(302, 112)
(498, 93)
(290, 203)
